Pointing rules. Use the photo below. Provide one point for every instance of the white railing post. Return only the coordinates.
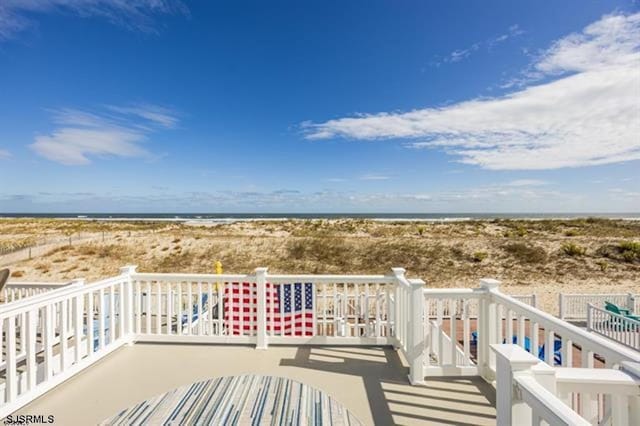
(589, 317)
(561, 306)
(631, 304)
(511, 360)
(127, 299)
(415, 344)
(261, 290)
(633, 401)
(398, 273)
(487, 329)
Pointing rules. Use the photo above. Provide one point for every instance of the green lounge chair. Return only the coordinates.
(615, 309)
(612, 307)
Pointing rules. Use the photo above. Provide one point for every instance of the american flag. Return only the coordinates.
(292, 305)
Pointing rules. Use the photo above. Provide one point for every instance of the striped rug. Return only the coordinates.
(238, 400)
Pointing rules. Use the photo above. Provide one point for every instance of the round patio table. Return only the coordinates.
(238, 400)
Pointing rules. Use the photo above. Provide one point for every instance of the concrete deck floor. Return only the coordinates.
(371, 382)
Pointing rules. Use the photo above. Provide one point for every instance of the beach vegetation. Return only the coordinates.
(625, 251)
(573, 249)
(603, 264)
(526, 253)
(479, 256)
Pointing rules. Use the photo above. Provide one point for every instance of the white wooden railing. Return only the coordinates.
(573, 307)
(620, 328)
(60, 332)
(529, 391)
(13, 291)
(51, 336)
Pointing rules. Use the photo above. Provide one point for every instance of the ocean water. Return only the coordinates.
(234, 217)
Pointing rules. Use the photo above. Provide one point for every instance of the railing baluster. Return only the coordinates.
(158, 300)
(324, 310)
(147, 313)
(521, 331)
(169, 313)
(292, 302)
(453, 332)
(90, 328)
(77, 322)
(49, 326)
(189, 307)
(303, 298)
(102, 318)
(221, 291)
(112, 314)
(549, 342)
(121, 309)
(200, 300)
(11, 372)
(335, 310)
(137, 292)
(32, 366)
(64, 332)
(179, 311)
(466, 332)
(210, 306)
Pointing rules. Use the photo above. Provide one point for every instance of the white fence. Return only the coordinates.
(573, 307)
(530, 391)
(620, 328)
(13, 291)
(50, 337)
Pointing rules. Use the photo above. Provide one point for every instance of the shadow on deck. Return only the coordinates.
(369, 381)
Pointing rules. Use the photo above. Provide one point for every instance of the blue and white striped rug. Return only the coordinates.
(238, 400)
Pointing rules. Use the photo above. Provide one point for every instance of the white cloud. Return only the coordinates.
(374, 177)
(587, 114)
(460, 54)
(161, 116)
(4, 154)
(83, 134)
(527, 182)
(16, 15)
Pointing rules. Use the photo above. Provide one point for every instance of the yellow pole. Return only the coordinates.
(218, 268)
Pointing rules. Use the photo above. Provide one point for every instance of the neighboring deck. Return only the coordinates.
(371, 382)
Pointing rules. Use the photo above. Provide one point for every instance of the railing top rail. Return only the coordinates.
(613, 314)
(551, 408)
(35, 284)
(596, 294)
(382, 279)
(567, 330)
(153, 276)
(55, 296)
(454, 293)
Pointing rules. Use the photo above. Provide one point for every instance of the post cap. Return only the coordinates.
(518, 358)
(542, 368)
(128, 269)
(77, 281)
(398, 271)
(261, 270)
(489, 283)
(417, 282)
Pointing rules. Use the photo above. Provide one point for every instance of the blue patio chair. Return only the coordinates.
(557, 352)
(194, 310)
(527, 342)
(96, 326)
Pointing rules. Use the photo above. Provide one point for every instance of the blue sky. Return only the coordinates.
(320, 106)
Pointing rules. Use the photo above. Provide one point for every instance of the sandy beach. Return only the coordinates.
(544, 257)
